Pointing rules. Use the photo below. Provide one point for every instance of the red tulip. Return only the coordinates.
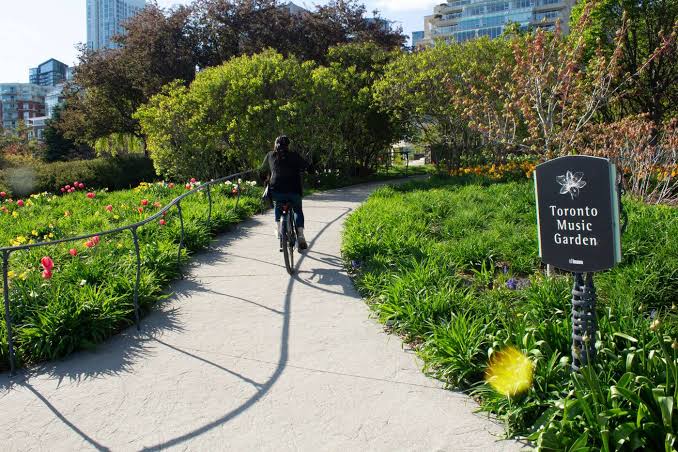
(171, 185)
(95, 239)
(47, 263)
(20, 203)
(144, 202)
(68, 187)
(109, 208)
(193, 180)
(162, 222)
(73, 252)
(2, 194)
(47, 274)
(75, 184)
(91, 195)
(63, 190)
(81, 185)
(188, 186)
(140, 209)
(89, 244)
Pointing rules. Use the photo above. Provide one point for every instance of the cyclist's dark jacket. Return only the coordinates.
(285, 171)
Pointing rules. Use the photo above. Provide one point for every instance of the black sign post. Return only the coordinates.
(578, 223)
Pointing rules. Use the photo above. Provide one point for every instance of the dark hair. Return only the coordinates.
(282, 145)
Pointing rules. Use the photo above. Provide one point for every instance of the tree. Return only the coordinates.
(647, 25)
(416, 88)
(110, 85)
(553, 90)
(58, 146)
(229, 117)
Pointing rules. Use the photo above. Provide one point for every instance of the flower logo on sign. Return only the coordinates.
(571, 183)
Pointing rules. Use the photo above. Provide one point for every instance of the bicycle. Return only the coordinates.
(288, 235)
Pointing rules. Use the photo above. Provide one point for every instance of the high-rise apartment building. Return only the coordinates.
(21, 102)
(461, 20)
(105, 18)
(50, 73)
(417, 38)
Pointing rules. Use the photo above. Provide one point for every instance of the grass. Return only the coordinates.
(452, 266)
(90, 296)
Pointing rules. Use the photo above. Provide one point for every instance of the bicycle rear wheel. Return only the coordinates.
(288, 244)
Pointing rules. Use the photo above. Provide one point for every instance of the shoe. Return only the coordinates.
(301, 240)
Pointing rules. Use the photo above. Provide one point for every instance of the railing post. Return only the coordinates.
(209, 212)
(8, 316)
(237, 199)
(135, 237)
(181, 241)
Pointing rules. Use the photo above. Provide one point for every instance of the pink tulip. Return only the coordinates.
(73, 252)
(47, 263)
(157, 205)
(95, 239)
(2, 194)
(91, 195)
(47, 274)
(68, 187)
(162, 222)
(109, 208)
(63, 190)
(81, 185)
(71, 190)
(193, 180)
(89, 244)
(20, 203)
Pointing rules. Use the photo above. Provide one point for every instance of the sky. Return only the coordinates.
(33, 31)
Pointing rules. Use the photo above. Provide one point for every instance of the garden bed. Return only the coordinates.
(452, 266)
(88, 295)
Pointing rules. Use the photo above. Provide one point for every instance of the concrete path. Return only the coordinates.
(246, 358)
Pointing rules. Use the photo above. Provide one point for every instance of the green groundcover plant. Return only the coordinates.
(84, 292)
(452, 266)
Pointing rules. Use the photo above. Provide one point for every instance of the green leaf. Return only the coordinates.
(666, 406)
(625, 336)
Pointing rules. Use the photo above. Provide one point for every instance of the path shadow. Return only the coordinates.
(280, 367)
(185, 288)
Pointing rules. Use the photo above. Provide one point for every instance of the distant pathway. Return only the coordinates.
(245, 358)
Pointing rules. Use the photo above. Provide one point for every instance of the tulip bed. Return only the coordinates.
(452, 266)
(74, 295)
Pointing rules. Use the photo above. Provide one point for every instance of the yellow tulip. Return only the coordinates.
(510, 372)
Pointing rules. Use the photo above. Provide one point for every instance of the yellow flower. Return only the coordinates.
(116, 217)
(23, 276)
(510, 372)
(15, 214)
(51, 235)
(654, 326)
(35, 233)
(11, 274)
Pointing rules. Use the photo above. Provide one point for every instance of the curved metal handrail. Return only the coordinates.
(7, 250)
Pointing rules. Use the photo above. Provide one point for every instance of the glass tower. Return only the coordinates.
(49, 73)
(105, 18)
(461, 20)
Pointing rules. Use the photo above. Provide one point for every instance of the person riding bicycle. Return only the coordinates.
(285, 168)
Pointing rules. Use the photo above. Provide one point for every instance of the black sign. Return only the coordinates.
(578, 213)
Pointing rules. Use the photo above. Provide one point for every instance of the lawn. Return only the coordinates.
(452, 266)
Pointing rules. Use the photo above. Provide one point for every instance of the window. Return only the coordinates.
(496, 7)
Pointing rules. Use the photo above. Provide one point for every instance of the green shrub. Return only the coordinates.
(434, 258)
(24, 176)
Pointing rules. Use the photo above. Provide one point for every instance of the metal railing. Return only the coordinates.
(133, 228)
